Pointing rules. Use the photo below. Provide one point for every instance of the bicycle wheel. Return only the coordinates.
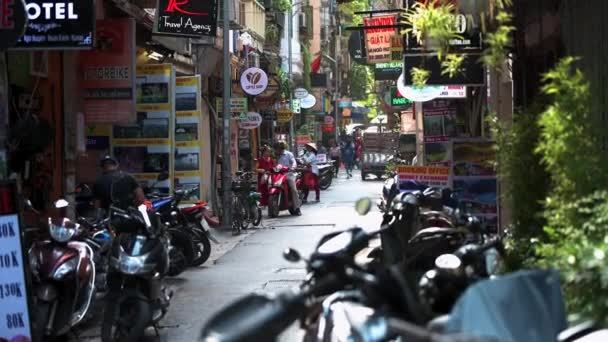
(236, 216)
(245, 214)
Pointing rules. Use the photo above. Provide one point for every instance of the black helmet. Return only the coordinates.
(107, 159)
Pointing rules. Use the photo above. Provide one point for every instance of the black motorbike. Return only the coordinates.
(326, 174)
(139, 261)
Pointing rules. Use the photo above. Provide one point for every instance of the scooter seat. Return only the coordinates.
(431, 231)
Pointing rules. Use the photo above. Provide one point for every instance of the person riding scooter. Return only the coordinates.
(286, 158)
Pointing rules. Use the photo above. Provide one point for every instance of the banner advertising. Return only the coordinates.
(438, 176)
(144, 148)
(14, 22)
(378, 41)
(397, 100)
(58, 24)
(389, 71)
(187, 153)
(439, 121)
(475, 181)
(15, 322)
(356, 47)
(107, 73)
(187, 18)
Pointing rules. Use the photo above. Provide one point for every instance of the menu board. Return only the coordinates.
(144, 148)
(188, 164)
(14, 313)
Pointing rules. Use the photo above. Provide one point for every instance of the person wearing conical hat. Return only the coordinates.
(311, 179)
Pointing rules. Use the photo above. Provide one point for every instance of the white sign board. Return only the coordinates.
(308, 102)
(254, 81)
(295, 106)
(14, 315)
(250, 120)
(300, 93)
(428, 93)
(321, 158)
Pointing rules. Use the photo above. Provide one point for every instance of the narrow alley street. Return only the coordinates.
(253, 261)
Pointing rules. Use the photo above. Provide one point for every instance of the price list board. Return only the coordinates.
(14, 313)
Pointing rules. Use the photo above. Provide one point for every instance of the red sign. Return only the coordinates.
(108, 73)
(378, 40)
(327, 128)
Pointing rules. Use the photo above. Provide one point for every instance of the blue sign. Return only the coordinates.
(98, 142)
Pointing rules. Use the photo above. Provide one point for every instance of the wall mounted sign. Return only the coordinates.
(345, 102)
(300, 93)
(13, 20)
(378, 40)
(284, 115)
(254, 81)
(250, 121)
(57, 24)
(397, 99)
(295, 106)
(319, 80)
(15, 322)
(107, 74)
(356, 47)
(188, 18)
(388, 71)
(308, 102)
(238, 105)
(269, 115)
(272, 89)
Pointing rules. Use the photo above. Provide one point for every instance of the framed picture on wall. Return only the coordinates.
(39, 63)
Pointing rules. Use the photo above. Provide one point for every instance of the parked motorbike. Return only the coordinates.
(326, 174)
(64, 274)
(189, 234)
(279, 195)
(139, 262)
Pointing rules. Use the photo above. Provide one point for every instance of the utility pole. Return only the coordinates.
(226, 158)
(292, 146)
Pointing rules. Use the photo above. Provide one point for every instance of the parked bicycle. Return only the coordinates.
(245, 202)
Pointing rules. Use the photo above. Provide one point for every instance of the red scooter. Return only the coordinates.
(279, 195)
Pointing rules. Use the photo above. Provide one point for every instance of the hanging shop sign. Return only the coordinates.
(428, 93)
(284, 115)
(397, 99)
(356, 47)
(57, 24)
(15, 322)
(238, 105)
(327, 128)
(107, 76)
(250, 120)
(300, 93)
(295, 106)
(438, 176)
(469, 27)
(254, 81)
(328, 119)
(308, 102)
(269, 115)
(271, 90)
(378, 40)
(13, 20)
(388, 71)
(345, 102)
(187, 18)
(396, 47)
(472, 75)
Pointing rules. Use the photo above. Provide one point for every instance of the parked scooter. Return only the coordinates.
(64, 276)
(326, 174)
(139, 262)
(279, 195)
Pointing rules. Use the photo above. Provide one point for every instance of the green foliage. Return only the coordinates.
(281, 5)
(568, 143)
(348, 9)
(306, 60)
(272, 33)
(361, 81)
(419, 76)
(452, 65)
(285, 83)
(499, 42)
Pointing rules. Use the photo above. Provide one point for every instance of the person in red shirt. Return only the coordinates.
(358, 152)
(265, 163)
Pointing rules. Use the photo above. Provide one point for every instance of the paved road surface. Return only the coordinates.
(253, 261)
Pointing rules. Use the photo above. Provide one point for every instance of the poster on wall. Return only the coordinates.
(378, 40)
(188, 131)
(437, 176)
(107, 76)
(143, 148)
(439, 128)
(58, 24)
(475, 181)
(14, 309)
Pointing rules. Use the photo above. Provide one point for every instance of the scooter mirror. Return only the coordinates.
(60, 203)
(292, 255)
(363, 206)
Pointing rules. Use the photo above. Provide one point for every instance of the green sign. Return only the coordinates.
(397, 100)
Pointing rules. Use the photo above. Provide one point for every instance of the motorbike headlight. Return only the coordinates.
(65, 268)
(130, 264)
(64, 231)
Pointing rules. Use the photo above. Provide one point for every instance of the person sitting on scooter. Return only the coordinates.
(311, 179)
(265, 164)
(286, 158)
(116, 187)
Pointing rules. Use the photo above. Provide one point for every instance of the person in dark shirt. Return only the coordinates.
(116, 187)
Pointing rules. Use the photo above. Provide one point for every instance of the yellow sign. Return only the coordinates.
(284, 115)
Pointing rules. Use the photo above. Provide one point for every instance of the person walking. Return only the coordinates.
(311, 178)
(334, 153)
(348, 155)
(265, 164)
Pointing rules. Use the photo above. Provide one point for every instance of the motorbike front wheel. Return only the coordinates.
(125, 319)
(274, 203)
(257, 217)
(201, 241)
(325, 182)
(41, 318)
